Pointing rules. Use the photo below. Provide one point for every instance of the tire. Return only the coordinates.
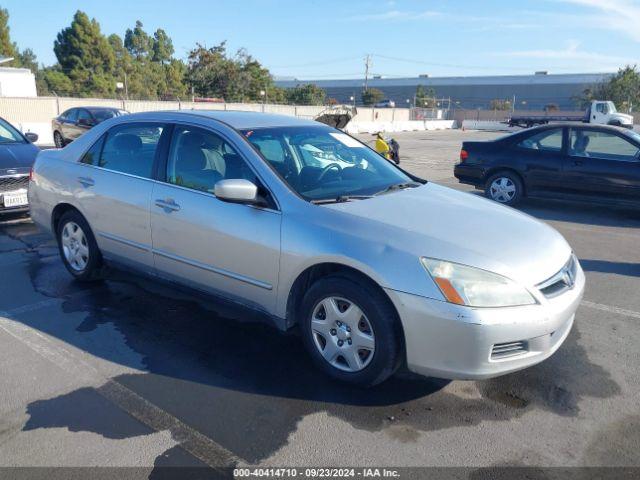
(78, 248)
(58, 140)
(504, 187)
(378, 330)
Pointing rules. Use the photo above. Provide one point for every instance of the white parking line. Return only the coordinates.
(610, 309)
(194, 442)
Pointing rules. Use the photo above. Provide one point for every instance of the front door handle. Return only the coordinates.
(168, 204)
(86, 181)
(577, 163)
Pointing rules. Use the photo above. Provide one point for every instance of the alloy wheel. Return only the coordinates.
(342, 334)
(75, 246)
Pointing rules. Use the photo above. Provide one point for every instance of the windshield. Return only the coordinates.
(8, 134)
(612, 107)
(633, 134)
(323, 163)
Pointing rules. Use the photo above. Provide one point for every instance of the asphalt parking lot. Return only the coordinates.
(127, 373)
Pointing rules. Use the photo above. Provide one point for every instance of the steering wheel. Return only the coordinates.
(326, 169)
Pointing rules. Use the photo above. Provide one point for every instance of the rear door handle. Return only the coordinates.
(577, 162)
(168, 205)
(86, 181)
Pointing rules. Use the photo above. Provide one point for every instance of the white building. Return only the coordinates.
(17, 82)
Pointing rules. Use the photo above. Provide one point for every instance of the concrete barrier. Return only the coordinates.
(439, 124)
(34, 114)
(401, 126)
(487, 125)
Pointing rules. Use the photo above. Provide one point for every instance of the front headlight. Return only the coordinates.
(474, 287)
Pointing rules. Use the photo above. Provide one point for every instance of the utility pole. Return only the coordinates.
(367, 65)
(126, 87)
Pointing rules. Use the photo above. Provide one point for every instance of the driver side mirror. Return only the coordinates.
(236, 190)
(31, 136)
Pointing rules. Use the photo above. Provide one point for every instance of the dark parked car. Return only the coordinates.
(571, 161)
(17, 154)
(74, 122)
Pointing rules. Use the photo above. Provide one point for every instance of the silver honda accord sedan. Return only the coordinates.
(376, 267)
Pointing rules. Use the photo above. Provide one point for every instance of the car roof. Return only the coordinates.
(577, 125)
(89, 107)
(234, 118)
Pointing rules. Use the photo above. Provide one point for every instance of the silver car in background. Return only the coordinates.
(377, 268)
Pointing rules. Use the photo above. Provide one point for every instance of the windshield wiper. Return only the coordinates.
(340, 199)
(398, 186)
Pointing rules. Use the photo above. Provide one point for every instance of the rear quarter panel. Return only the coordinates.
(54, 178)
(485, 158)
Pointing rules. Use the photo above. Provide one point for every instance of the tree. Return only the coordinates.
(24, 59)
(209, 70)
(27, 59)
(138, 42)
(213, 73)
(623, 89)
(308, 94)
(425, 96)
(86, 57)
(371, 96)
(7, 47)
(162, 47)
(57, 82)
(500, 104)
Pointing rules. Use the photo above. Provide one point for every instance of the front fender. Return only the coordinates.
(326, 236)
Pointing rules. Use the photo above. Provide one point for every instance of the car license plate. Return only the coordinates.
(15, 199)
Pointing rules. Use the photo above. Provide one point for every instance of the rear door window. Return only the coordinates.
(548, 140)
(131, 149)
(92, 155)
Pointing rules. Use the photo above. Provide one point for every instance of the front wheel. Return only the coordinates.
(505, 188)
(351, 331)
(78, 248)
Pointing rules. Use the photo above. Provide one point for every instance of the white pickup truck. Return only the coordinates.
(601, 112)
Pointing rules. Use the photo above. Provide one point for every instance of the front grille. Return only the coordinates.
(561, 281)
(510, 349)
(9, 184)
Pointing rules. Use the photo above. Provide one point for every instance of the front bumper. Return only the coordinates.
(456, 342)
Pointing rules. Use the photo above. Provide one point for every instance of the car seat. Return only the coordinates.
(580, 146)
(190, 169)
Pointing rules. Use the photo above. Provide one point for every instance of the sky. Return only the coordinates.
(325, 39)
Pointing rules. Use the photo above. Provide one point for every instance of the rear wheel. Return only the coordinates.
(78, 248)
(351, 331)
(504, 187)
(58, 140)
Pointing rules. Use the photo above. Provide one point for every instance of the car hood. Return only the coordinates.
(17, 156)
(439, 222)
(622, 116)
